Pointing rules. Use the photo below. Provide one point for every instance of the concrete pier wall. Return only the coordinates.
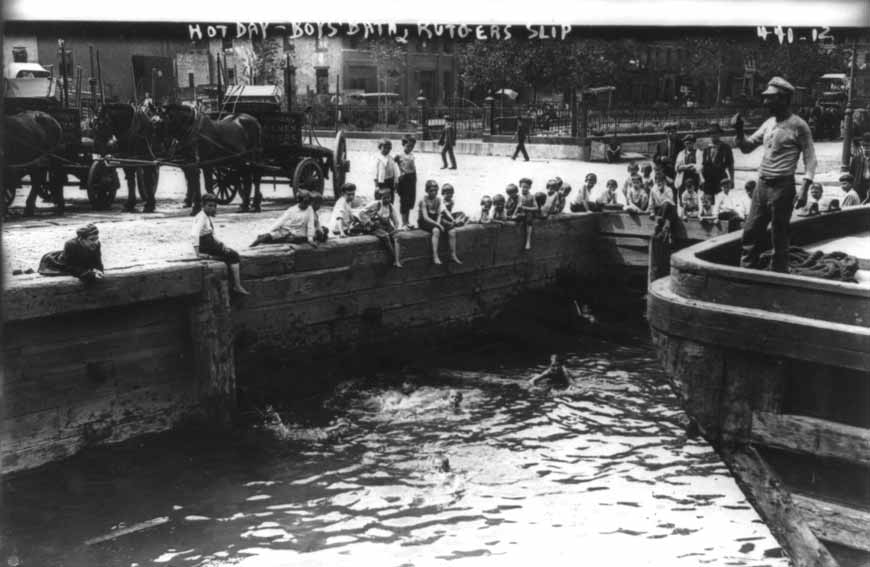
(149, 349)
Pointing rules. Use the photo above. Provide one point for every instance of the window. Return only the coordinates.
(231, 76)
(447, 83)
(289, 46)
(227, 43)
(190, 80)
(321, 85)
(448, 45)
(427, 84)
(19, 54)
(320, 43)
(362, 78)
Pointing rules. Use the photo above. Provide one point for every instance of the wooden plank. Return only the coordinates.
(836, 523)
(777, 508)
(811, 435)
(758, 331)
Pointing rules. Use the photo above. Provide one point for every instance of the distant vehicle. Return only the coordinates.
(28, 82)
(832, 90)
(26, 71)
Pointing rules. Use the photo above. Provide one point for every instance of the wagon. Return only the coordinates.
(75, 158)
(286, 155)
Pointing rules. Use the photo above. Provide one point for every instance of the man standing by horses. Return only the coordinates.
(785, 137)
(448, 141)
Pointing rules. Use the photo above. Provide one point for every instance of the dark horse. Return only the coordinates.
(32, 140)
(127, 132)
(233, 141)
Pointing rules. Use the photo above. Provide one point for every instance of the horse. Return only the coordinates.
(129, 133)
(32, 141)
(235, 141)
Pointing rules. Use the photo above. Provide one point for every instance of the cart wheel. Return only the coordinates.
(228, 183)
(102, 185)
(308, 175)
(340, 165)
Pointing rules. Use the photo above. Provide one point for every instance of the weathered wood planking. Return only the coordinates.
(835, 523)
(818, 437)
(778, 509)
(757, 330)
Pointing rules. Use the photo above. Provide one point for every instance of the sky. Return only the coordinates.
(806, 13)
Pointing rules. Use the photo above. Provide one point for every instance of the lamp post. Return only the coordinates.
(424, 127)
(490, 103)
(847, 115)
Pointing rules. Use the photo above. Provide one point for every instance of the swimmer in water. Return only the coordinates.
(555, 376)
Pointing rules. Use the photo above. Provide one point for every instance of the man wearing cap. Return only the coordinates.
(688, 163)
(850, 196)
(785, 137)
(718, 162)
(81, 257)
(521, 134)
(448, 140)
(668, 149)
(859, 165)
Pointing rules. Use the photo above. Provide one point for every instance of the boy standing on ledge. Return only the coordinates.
(205, 243)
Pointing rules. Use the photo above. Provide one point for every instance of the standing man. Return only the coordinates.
(688, 164)
(521, 134)
(668, 150)
(785, 137)
(448, 140)
(718, 162)
(859, 165)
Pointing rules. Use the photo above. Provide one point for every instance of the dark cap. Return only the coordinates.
(525, 181)
(348, 187)
(90, 230)
(511, 188)
(431, 183)
(847, 177)
(778, 85)
(670, 126)
(715, 128)
(209, 198)
(688, 138)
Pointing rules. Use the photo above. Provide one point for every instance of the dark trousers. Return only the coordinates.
(772, 202)
(407, 192)
(521, 147)
(448, 151)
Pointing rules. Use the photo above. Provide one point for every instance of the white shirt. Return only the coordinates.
(730, 202)
(599, 195)
(385, 168)
(783, 143)
(342, 216)
(297, 222)
(202, 226)
(681, 162)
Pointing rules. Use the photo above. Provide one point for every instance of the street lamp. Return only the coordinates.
(490, 102)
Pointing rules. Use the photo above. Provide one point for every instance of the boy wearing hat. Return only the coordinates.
(296, 226)
(785, 137)
(81, 257)
(448, 140)
(668, 149)
(688, 163)
(205, 243)
(718, 161)
(850, 196)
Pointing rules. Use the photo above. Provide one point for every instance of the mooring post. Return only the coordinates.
(211, 329)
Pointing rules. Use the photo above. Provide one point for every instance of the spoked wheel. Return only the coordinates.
(340, 163)
(228, 183)
(308, 175)
(103, 184)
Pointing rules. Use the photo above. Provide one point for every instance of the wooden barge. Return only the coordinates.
(775, 370)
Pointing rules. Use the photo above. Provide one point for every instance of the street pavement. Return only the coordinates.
(131, 239)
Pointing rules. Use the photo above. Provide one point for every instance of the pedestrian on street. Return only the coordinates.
(521, 135)
(448, 141)
(785, 137)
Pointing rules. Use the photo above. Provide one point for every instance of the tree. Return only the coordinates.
(800, 63)
(389, 59)
(268, 62)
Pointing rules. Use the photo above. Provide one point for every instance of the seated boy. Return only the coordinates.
(690, 202)
(661, 193)
(499, 212)
(296, 226)
(581, 202)
(551, 198)
(527, 210)
(850, 196)
(564, 191)
(813, 206)
(637, 197)
(447, 193)
(344, 222)
(609, 198)
(512, 202)
(205, 243)
(485, 215)
(708, 210)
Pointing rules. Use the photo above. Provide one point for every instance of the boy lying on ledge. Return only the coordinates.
(81, 257)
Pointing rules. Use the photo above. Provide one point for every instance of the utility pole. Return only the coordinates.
(847, 115)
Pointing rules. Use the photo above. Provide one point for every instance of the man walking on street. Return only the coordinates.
(521, 134)
(785, 137)
(448, 140)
